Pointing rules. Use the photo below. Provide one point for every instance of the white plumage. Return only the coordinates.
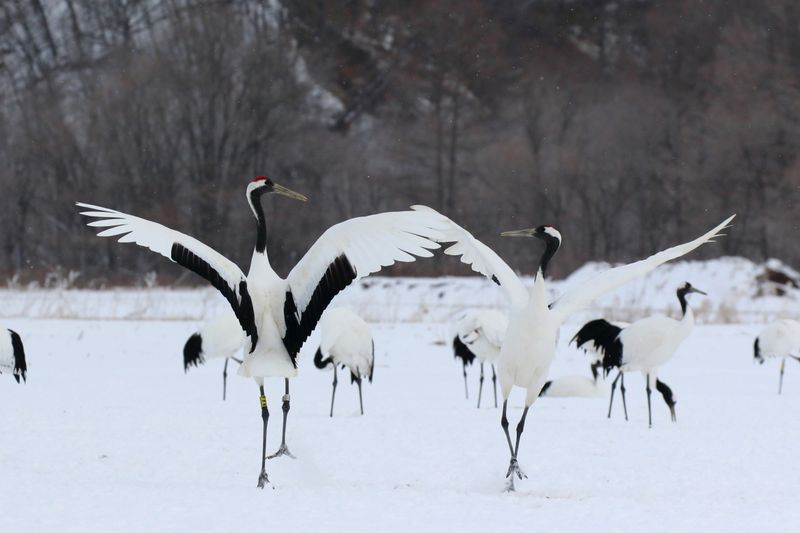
(643, 346)
(530, 341)
(12, 355)
(279, 314)
(221, 337)
(573, 387)
(479, 335)
(779, 339)
(346, 341)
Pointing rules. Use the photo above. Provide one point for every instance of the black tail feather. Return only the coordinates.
(319, 362)
(666, 392)
(546, 386)
(605, 339)
(20, 365)
(757, 351)
(193, 352)
(460, 350)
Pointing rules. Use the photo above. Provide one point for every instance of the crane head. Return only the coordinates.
(687, 288)
(545, 232)
(263, 185)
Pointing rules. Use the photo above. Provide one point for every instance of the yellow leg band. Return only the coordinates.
(263, 401)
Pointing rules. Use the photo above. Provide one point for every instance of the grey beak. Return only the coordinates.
(528, 232)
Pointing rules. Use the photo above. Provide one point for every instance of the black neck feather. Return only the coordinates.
(261, 221)
(550, 250)
(682, 299)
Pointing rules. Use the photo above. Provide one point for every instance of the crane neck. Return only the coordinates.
(254, 199)
(551, 247)
(684, 304)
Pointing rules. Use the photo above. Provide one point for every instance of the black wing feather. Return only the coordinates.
(193, 352)
(460, 350)
(340, 274)
(243, 309)
(605, 338)
(20, 365)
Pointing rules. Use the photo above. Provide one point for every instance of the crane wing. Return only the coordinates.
(494, 327)
(187, 251)
(582, 295)
(481, 259)
(348, 251)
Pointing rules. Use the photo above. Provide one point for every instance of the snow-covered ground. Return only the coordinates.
(109, 434)
(737, 293)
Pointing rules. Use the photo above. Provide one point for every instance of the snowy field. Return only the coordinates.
(109, 434)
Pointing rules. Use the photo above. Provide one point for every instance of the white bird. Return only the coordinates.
(529, 345)
(779, 339)
(479, 334)
(644, 347)
(279, 314)
(220, 337)
(573, 387)
(346, 341)
(12, 355)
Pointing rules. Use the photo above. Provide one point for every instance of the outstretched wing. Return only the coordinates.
(582, 295)
(347, 251)
(481, 258)
(187, 252)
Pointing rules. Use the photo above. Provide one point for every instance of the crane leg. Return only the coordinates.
(622, 392)
(513, 467)
(494, 385)
(466, 390)
(224, 378)
(649, 411)
(283, 449)
(613, 388)
(262, 478)
(360, 399)
(333, 394)
(480, 387)
(780, 383)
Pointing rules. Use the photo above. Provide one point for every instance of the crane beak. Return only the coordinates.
(280, 189)
(698, 291)
(529, 232)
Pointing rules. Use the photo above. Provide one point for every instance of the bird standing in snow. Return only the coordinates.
(220, 337)
(644, 346)
(12, 355)
(346, 341)
(479, 334)
(279, 314)
(529, 345)
(779, 339)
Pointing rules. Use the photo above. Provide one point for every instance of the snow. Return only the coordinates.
(735, 295)
(109, 434)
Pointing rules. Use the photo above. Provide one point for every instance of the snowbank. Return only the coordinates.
(739, 291)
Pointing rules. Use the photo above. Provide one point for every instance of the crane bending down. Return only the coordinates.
(529, 344)
(779, 339)
(279, 314)
(479, 334)
(643, 346)
(346, 340)
(219, 337)
(12, 355)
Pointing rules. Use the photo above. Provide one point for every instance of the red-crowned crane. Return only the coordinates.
(530, 342)
(346, 341)
(643, 346)
(479, 335)
(779, 339)
(220, 337)
(279, 314)
(12, 355)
